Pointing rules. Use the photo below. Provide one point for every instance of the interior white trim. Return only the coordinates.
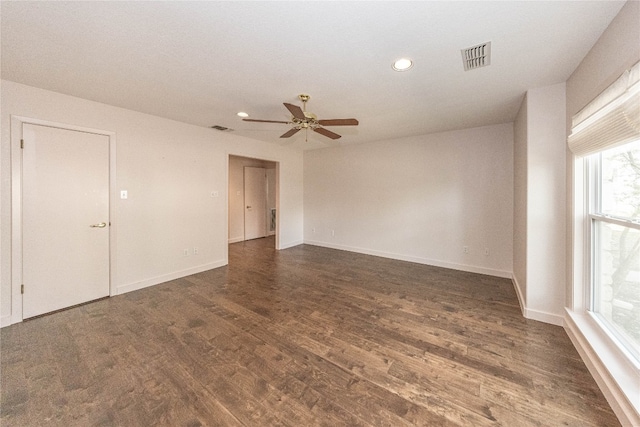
(130, 287)
(277, 232)
(16, 206)
(616, 373)
(418, 260)
(613, 371)
(521, 302)
(5, 321)
(543, 316)
(289, 244)
(226, 206)
(279, 245)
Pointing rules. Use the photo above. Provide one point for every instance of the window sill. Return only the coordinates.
(615, 373)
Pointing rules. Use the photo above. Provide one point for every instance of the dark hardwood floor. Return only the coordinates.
(301, 337)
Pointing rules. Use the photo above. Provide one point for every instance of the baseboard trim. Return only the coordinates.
(521, 301)
(290, 244)
(417, 260)
(543, 316)
(5, 321)
(282, 246)
(540, 316)
(628, 414)
(167, 277)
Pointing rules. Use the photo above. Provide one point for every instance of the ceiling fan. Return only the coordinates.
(301, 119)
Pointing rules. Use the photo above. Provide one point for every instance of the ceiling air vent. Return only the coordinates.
(221, 128)
(476, 56)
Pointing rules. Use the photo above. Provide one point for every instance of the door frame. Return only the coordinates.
(16, 205)
(278, 212)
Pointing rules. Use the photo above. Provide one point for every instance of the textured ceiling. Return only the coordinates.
(202, 62)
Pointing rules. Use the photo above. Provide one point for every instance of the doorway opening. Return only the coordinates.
(253, 199)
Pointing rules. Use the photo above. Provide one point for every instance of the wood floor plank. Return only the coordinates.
(306, 336)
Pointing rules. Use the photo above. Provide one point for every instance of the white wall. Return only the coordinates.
(169, 169)
(539, 232)
(520, 203)
(236, 193)
(546, 201)
(420, 199)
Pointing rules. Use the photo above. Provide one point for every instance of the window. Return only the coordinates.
(604, 313)
(614, 246)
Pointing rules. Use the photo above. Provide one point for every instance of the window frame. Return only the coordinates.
(592, 193)
(616, 373)
(598, 125)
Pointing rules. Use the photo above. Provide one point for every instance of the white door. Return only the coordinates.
(271, 201)
(255, 203)
(65, 217)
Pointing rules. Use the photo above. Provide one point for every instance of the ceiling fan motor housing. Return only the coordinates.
(310, 121)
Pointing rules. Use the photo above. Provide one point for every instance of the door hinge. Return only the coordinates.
(22, 289)
(22, 143)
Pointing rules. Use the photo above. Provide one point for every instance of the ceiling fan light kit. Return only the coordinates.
(302, 119)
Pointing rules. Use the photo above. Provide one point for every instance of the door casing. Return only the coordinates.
(276, 162)
(16, 205)
(65, 215)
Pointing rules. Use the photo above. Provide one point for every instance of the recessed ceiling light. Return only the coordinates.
(402, 64)
(243, 114)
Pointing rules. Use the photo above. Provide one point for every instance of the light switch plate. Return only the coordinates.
(123, 194)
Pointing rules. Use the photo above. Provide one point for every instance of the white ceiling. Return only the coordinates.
(202, 62)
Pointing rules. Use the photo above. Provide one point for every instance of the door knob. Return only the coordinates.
(101, 225)
(248, 207)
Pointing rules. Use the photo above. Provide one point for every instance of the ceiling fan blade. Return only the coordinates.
(289, 133)
(263, 121)
(339, 122)
(327, 133)
(295, 111)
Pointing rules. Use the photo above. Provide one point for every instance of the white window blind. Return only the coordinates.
(613, 118)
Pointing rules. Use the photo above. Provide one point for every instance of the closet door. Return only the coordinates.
(65, 215)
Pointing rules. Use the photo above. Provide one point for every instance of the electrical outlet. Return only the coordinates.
(486, 251)
(186, 252)
(195, 251)
(465, 249)
(333, 233)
